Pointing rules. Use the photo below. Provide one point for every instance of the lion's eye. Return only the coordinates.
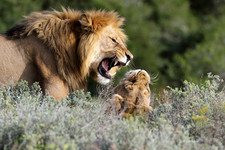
(114, 40)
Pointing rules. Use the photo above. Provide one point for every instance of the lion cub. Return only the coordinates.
(132, 95)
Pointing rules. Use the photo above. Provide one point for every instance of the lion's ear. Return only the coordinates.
(92, 22)
(86, 23)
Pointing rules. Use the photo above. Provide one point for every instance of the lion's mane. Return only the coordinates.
(61, 32)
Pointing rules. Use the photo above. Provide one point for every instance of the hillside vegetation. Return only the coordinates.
(188, 118)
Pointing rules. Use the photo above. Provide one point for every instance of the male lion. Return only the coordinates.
(60, 49)
(133, 93)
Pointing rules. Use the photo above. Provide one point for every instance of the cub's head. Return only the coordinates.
(138, 76)
(103, 45)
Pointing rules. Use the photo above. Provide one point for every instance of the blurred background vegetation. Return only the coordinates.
(175, 39)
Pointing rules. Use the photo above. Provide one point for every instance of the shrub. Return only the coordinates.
(190, 118)
(200, 108)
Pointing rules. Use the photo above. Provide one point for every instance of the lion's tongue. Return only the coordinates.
(105, 64)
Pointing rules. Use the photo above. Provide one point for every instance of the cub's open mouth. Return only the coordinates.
(106, 64)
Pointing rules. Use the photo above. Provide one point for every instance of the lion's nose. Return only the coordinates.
(129, 57)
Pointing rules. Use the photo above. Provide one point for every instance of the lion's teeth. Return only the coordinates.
(116, 61)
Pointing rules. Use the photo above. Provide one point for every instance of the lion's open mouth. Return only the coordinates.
(108, 63)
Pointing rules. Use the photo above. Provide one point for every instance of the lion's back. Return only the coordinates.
(12, 64)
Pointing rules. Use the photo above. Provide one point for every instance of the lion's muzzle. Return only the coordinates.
(107, 64)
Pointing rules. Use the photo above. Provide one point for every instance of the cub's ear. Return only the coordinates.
(86, 23)
(143, 75)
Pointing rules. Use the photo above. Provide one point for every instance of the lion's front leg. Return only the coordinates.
(51, 83)
(56, 88)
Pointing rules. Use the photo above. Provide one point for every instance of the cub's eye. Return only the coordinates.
(114, 40)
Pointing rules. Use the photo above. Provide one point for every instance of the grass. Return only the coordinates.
(188, 118)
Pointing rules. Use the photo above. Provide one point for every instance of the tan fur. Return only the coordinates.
(60, 49)
(132, 94)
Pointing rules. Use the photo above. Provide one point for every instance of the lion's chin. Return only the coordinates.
(102, 80)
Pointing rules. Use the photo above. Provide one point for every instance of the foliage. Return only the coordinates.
(209, 53)
(176, 39)
(197, 107)
(188, 118)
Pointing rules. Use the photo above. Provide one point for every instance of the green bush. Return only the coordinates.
(188, 118)
(201, 108)
(207, 56)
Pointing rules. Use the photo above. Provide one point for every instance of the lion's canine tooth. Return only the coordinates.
(116, 61)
